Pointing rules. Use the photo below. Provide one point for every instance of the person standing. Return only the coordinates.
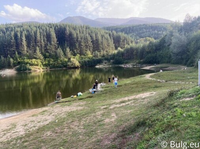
(109, 79)
(115, 81)
(113, 77)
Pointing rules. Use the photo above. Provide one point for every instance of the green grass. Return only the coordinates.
(178, 121)
(135, 123)
(188, 75)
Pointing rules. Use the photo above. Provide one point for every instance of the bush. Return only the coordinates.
(118, 60)
(151, 59)
(73, 63)
(23, 67)
(91, 62)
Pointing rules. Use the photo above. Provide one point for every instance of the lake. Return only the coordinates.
(25, 91)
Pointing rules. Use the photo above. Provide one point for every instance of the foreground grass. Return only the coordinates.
(107, 121)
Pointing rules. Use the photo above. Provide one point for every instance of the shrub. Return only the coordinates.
(23, 67)
(118, 60)
(73, 63)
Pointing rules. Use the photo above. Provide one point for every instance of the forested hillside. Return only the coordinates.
(155, 31)
(56, 45)
(64, 45)
(181, 45)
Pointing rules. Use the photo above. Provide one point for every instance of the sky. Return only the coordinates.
(45, 11)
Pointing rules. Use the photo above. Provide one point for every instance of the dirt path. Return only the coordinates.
(148, 76)
(130, 100)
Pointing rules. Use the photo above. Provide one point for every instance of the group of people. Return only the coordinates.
(94, 87)
(114, 80)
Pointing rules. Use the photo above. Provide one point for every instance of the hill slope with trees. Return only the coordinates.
(155, 31)
(56, 45)
(179, 46)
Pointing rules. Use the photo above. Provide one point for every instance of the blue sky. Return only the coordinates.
(12, 11)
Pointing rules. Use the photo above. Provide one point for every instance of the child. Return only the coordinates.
(115, 81)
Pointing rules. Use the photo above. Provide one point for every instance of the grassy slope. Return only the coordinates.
(142, 122)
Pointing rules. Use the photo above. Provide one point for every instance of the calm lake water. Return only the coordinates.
(25, 91)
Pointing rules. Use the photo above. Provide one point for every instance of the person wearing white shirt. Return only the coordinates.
(115, 81)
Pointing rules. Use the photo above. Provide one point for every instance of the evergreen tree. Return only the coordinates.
(37, 38)
(37, 54)
(2, 62)
(59, 53)
(67, 53)
(23, 44)
(178, 47)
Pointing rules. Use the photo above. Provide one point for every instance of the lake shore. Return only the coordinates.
(92, 117)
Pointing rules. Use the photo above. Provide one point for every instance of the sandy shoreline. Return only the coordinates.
(148, 67)
(18, 115)
(8, 72)
(22, 123)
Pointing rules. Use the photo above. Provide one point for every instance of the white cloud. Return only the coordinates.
(179, 7)
(2, 13)
(112, 8)
(174, 10)
(19, 14)
(193, 9)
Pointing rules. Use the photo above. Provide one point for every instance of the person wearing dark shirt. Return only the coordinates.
(94, 86)
(96, 83)
(109, 80)
(113, 77)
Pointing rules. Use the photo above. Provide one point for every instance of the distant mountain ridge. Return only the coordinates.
(79, 20)
(148, 20)
(104, 22)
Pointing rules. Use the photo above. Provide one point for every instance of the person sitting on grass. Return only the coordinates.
(93, 90)
(58, 96)
(96, 84)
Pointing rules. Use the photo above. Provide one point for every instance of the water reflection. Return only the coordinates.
(33, 90)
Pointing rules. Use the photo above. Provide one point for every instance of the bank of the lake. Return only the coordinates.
(140, 113)
(24, 90)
